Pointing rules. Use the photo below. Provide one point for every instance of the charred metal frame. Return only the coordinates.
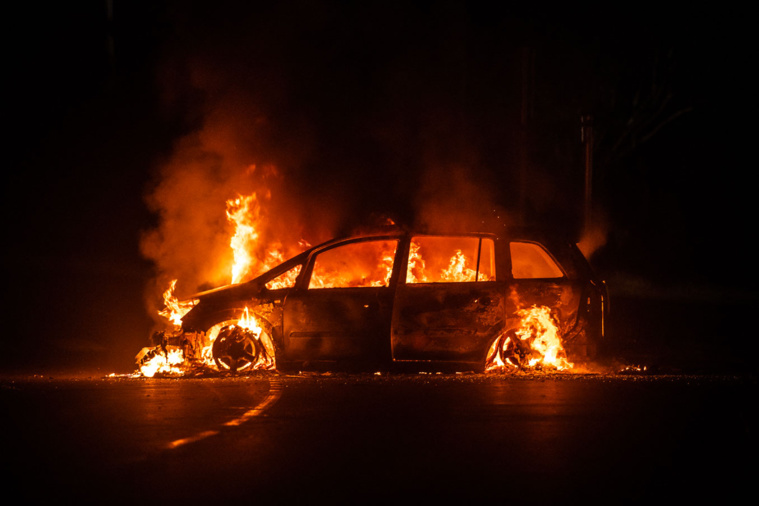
(425, 324)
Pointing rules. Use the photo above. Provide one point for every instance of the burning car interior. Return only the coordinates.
(394, 299)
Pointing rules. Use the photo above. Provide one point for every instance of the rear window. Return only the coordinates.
(530, 261)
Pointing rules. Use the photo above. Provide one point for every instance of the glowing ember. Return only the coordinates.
(535, 344)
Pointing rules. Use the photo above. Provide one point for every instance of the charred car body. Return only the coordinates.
(399, 298)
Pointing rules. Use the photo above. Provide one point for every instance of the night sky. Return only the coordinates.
(385, 109)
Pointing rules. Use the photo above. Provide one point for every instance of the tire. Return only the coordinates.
(235, 348)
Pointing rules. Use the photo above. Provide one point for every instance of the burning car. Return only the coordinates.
(468, 301)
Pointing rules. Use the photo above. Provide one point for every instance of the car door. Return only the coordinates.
(539, 280)
(449, 306)
(343, 308)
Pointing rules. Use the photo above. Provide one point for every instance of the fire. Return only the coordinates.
(169, 362)
(244, 213)
(241, 345)
(244, 343)
(274, 257)
(286, 280)
(535, 344)
(388, 257)
(457, 269)
(539, 329)
(416, 265)
(248, 322)
(174, 309)
(372, 263)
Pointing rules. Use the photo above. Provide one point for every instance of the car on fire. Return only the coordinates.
(400, 298)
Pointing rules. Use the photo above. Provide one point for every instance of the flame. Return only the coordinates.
(244, 213)
(539, 329)
(249, 322)
(169, 363)
(535, 344)
(286, 280)
(416, 265)
(174, 309)
(373, 266)
(266, 359)
(388, 258)
(457, 269)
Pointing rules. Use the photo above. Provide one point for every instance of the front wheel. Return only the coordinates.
(235, 349)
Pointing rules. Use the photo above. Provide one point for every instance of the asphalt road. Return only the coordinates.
(356, 439)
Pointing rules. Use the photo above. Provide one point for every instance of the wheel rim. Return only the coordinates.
(235, 349)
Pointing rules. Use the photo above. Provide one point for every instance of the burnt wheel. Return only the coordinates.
(508, 349)
(235, 349)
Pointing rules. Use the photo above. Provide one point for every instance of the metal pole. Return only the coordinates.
(587, 139)
(525, 114)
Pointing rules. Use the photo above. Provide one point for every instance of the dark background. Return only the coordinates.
(376, 106)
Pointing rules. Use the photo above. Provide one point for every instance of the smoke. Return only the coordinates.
(232, 148)
(325, 120)
(458, 199)
(595, 236)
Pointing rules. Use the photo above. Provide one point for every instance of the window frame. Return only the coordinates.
(311, 264)
(479, 238)
(545, 251)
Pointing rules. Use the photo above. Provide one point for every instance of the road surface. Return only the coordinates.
(358, 438)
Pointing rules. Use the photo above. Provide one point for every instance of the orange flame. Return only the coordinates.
(416, 265)
(174, 309)
(286, 280)
(457, 270)
(536, 344)
(164, 364)
(373, 266)
(248, 322)
(266, 359)
(244, 213)
(539, 329)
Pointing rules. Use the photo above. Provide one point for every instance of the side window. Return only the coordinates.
(284, 280)
(531, 261)
(435, 259)
(357, 264)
